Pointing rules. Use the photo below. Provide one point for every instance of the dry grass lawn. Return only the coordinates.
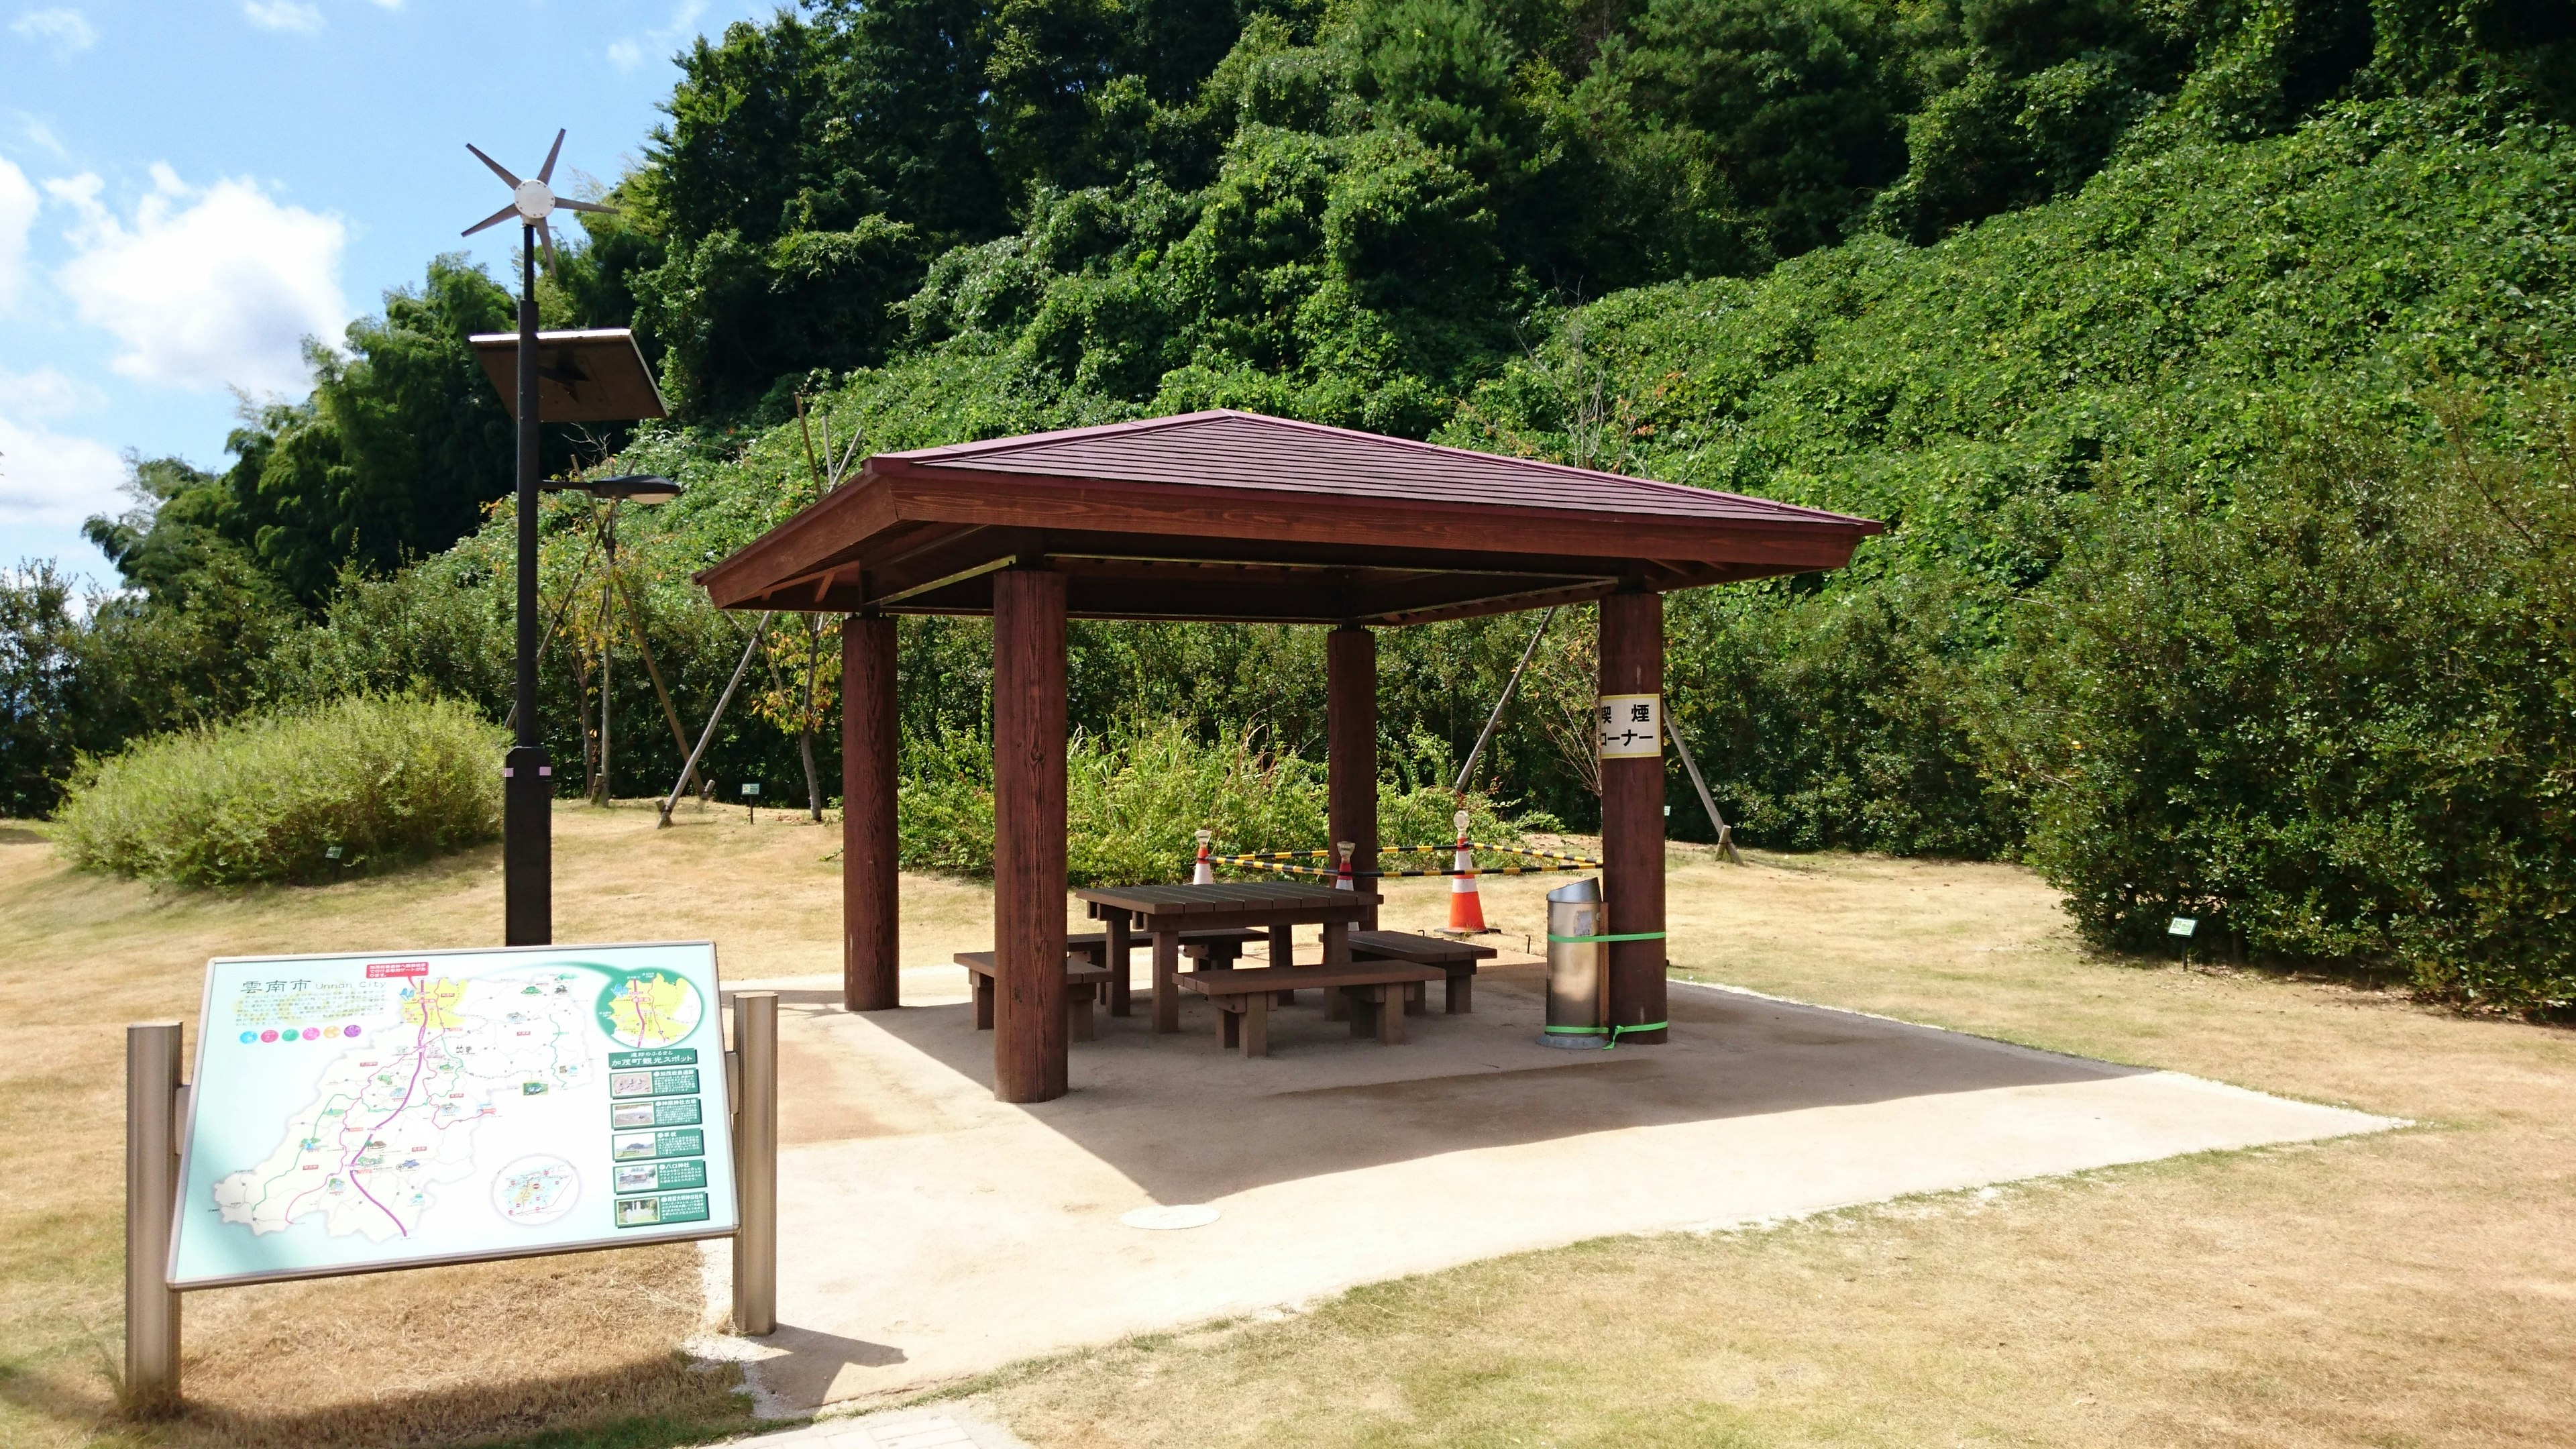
(2414, 1288)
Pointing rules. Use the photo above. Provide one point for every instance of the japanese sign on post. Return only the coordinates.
(1631, 726)
(356, 1113)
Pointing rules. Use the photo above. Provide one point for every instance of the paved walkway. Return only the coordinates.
(908, 1429)
(929, 1233)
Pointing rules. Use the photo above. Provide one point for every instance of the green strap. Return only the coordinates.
(1612, 1032)
(1587, 940)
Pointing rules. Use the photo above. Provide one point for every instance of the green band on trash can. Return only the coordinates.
(1555, 940)
(1612, 1032)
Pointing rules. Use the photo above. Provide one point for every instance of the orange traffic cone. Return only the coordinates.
(1342, 877)
(1466, 907)
(1205, 871)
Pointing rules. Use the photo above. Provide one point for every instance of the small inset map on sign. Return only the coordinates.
(651, 1009)
(536, 1190)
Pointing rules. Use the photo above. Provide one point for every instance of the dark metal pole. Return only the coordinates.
(528, 786)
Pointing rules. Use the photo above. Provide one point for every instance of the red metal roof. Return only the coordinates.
(1234, 516)
(1228, 449)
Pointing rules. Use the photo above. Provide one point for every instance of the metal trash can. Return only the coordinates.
(1578, 967)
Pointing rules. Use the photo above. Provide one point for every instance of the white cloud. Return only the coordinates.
(56, 478)
(67, 30)
(18, 203)
(45, 393)
(212, 287)
(282, 15)
(632, 51)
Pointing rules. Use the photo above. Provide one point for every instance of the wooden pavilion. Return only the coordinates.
(1230, 516)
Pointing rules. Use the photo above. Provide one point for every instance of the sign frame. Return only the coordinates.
(721, 1088)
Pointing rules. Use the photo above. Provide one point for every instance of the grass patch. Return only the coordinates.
(298, 796)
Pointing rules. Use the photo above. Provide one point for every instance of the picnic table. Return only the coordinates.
(1165, 911)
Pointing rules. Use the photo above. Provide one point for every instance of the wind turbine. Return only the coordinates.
(534, 200)
(528, 787)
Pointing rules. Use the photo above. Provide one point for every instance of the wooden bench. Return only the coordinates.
(1457, 959)
(1243, 995)
(1213, 949)
(1083, 983)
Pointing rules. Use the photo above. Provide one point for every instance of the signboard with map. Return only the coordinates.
(356, 1113)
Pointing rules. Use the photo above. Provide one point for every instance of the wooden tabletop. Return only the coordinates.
(1226, 898)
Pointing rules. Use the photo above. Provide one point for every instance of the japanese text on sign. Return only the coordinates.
(1631, 726)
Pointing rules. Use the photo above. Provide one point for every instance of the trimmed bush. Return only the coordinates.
(301, 795)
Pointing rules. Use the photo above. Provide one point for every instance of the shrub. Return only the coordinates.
(1134, 799)
(2328, 716)
(295, 795)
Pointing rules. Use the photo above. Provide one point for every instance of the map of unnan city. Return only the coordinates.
(361, 1112)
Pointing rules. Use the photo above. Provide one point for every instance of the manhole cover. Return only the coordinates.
(1164, 1219)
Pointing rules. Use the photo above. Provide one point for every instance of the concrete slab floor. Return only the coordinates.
(928, 1233)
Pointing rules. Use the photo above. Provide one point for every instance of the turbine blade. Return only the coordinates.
(546, 173)
(495, 219)
(548, 238)
(497, 168)
(563, 204)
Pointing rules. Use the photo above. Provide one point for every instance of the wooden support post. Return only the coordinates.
(1632, 821)
(871, 941)
(1350, 743)
(1030, 1055)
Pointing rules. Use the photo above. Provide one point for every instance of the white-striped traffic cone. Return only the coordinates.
(1466, 907)
(1342, 877)
(1205, 872)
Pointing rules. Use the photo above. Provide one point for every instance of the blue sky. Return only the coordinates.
(187, 190)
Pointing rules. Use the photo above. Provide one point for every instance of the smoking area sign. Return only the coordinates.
(1631, 726)
(356, 1113)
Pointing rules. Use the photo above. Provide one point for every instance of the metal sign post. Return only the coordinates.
(753, 1063)
(152, 1089)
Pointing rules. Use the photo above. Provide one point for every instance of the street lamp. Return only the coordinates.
(569, 388)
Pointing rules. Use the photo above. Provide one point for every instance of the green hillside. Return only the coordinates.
(2209, 364)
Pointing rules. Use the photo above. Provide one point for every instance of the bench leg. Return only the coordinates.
(983, 1001)
(1462, 993)
(1417, 998)
(1337, 943)
(1283, 952)
(1337, 952)
(1256, 1024)
(1167, 991)
(1390, 1014)
(1355, 1009)
(1115, 958)
(1229, 1025)
(1077, 1012)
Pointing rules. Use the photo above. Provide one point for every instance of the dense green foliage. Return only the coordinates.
(2206, 361)
(1134, 798)
(304, 795)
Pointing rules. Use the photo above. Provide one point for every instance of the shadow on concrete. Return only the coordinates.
(1189, 1123)
(811, 1351)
